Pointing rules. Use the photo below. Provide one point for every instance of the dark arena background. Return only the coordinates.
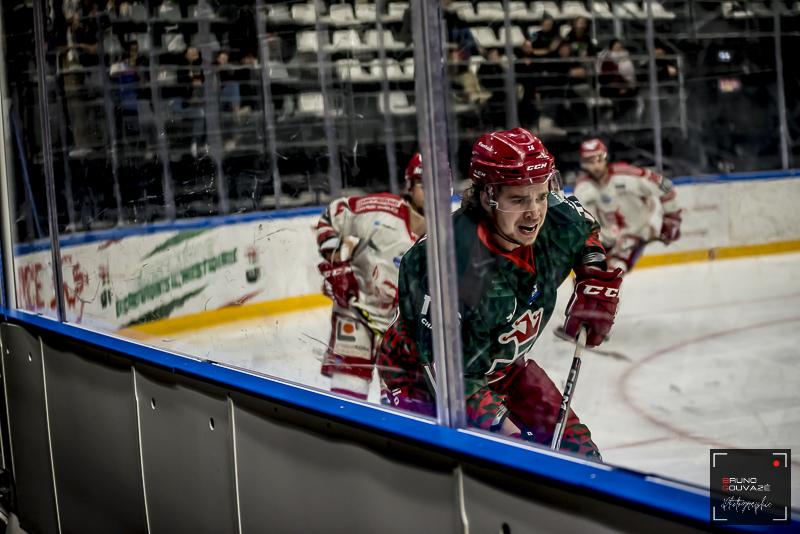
(171, 171)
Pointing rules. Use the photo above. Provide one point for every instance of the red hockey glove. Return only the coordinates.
(339, 283)
(593, 303)
(671, 227)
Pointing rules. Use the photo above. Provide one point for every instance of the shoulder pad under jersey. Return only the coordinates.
(566, 210)
(626, 169)
(415, 258)
(587, 190)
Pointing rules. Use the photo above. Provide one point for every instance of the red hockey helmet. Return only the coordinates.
(413, 170)
(593, 147)
(511, 157)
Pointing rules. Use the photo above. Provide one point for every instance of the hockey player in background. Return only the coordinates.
(516, 240)
(361, 240)
(633, 205)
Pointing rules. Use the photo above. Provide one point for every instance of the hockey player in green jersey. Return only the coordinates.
(516, 238)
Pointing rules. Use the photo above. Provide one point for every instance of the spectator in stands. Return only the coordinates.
(458, 32)
(580, 37)
(491, 75)
(188, 104)
(248, 58)
(544, 41)
(667, 75)
(250, 82)
(618, 78)
(230, 97)
(81, 82)
(85, 25)
(125, 74)
(571, 71)
(466, 87)
(559, 86)
(666, 68)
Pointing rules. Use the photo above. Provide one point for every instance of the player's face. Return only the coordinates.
(417, 196)
(595, 165)
(519, 214)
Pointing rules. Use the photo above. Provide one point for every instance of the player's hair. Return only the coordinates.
(471, 200)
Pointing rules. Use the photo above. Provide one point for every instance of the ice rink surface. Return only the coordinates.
(708, 357)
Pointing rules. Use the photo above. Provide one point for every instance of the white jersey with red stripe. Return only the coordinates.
(632, 202)
(373, 231)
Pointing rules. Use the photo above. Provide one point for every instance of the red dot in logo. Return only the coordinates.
(349, 329)
(776, 463)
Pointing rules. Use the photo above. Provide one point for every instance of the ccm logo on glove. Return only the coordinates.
(610, 292)
(593, 304)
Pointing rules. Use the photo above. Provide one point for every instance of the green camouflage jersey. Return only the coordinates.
(503, 307)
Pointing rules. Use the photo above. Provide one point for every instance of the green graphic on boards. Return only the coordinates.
(174, 240)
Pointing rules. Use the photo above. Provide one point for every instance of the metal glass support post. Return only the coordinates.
(784, 127)
(655, 109)
(108, 110)
(213, 124)
(270, 139)
(47, 153)
(596, 74)
(388, 127)
(62, 130)
(682, 98)
(334, 169)
(512, 117)
(6, 187)
(431, 89)
(159, 113)
(617, 23)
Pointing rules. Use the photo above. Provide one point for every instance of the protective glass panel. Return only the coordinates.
(226, 170)
(655, 391)
(27, 237)
(726, 81)
(535, 70)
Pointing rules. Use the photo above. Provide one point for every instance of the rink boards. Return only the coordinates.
(171, 277)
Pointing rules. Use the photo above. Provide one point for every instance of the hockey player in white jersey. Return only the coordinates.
(633, 205)
(361, 240)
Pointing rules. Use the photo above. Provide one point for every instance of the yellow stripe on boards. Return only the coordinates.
(718, 253)
(211, 318)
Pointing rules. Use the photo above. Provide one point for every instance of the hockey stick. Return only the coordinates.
(569, 390)
(560, 334)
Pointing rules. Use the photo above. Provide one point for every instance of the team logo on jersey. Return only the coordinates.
(524, 332)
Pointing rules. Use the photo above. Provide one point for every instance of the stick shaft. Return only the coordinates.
(569, 391)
